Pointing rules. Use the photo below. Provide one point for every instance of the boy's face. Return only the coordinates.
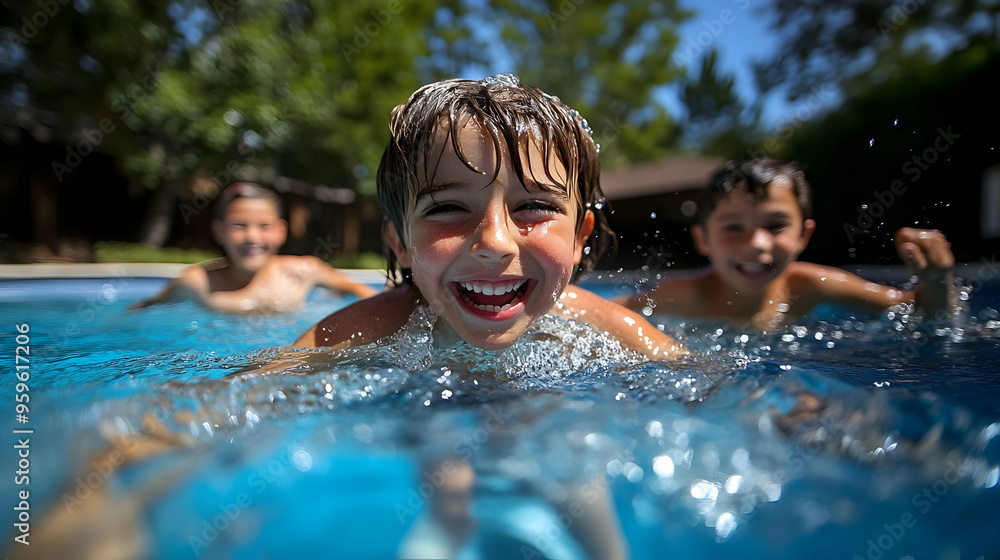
(490, 258)
(251, 232)
(751, 240)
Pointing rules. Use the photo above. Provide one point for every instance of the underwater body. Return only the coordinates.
(840, 436)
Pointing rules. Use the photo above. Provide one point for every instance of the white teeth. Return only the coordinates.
(489, 289)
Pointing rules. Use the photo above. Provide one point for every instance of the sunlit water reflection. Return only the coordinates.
(769, 446)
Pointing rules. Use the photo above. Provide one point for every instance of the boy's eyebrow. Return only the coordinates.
(770, 215)
(529, 183)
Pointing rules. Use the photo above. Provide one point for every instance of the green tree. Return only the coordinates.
(843, 39)
(608, 59)
(718, 121)
(205, 92)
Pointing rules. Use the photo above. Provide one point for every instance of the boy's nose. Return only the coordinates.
(762, 240)
(255, 235)
(494, 238)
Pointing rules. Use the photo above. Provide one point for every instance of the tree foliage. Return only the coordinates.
(718, 121)
(842, 39)
(606, 58)
(188, 95)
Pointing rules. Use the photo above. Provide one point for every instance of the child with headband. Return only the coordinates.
(255, 279)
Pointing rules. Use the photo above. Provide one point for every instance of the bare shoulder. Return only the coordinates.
(633, 330)
(295, 265)
(191, 284)
(364, 321)
(195, 276)
(682, 294)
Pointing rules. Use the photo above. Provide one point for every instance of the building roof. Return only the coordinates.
(668, 175)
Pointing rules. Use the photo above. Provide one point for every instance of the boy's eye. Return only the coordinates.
(539, 206)
(442, 208)
(732, 228)
(775, 228)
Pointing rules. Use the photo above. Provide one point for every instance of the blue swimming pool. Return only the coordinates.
(842, 436)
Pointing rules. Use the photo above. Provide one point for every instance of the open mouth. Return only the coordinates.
(754, 269)
(254, 250)
(493, 299)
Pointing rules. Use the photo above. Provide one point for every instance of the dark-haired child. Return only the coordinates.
(752, 224)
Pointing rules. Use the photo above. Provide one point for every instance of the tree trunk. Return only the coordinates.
(44, 211)
(160, 216)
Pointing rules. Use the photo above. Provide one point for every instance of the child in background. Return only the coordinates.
(489, 192)
(752, 224)
(249, 228)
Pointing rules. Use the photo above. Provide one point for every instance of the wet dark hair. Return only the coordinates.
(753, 176)
(512, 114)
(244, 190)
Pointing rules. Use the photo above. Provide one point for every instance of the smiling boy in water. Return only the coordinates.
(752, 224)
(249, 228)
(489, 192)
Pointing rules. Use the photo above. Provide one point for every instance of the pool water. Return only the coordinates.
(842, 436)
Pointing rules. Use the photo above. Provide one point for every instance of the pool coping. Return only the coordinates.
(134, 270)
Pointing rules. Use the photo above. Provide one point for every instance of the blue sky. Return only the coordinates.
(740, 31)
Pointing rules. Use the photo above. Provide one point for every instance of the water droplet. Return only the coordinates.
(663, 466)
(871, 142)
(652, 215)
(822, 278)
(895, 122)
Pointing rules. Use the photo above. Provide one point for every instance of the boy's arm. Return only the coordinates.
(192, 285)
(811, 284)
(325, 275)
(630, 328)
(363, 321)
(927, 253)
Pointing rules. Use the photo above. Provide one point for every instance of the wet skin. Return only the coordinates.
(490, 257)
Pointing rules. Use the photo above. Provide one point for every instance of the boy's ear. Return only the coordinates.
(808, 227)
(586, 228)
(398, 249)
(283, 224)
(700, 239)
